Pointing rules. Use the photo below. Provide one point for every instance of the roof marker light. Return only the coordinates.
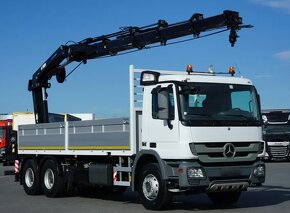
(232, 70)
(189, 69)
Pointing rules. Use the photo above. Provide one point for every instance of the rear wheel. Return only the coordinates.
(152, 190)
(30, 178)
(52, 183)
(224, 199)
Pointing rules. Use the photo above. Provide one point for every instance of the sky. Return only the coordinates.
(32, 30)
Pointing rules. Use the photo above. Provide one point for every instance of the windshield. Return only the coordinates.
(219, 105)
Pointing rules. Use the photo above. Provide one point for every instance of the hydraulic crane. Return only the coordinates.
(126, 39)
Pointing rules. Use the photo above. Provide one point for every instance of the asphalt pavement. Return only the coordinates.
(273, 196)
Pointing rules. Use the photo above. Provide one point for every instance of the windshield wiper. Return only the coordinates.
(241, 116)
(202, 115)
(211, 118)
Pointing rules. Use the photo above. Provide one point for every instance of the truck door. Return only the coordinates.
(162, 123)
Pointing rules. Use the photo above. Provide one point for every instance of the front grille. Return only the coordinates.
(277, 117)
(277, 137)
(219, 155)
(215, 152)
(278, 151)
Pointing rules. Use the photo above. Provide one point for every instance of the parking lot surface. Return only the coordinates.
(273, 196)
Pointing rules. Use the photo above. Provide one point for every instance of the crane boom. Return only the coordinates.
(124, 40)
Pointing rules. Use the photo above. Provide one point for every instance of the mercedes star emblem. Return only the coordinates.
(229, 150)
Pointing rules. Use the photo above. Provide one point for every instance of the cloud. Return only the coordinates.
(276, 4)
(284, 55)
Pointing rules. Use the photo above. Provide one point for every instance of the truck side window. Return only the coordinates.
(156, 93)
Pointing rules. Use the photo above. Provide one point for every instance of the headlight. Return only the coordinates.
(196, 173)
(259, 171)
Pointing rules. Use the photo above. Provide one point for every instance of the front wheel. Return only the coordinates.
(224, 199)
(152, 190)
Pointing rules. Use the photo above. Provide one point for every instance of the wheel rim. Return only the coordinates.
(49, 179)
(150, 187)
(29, 177)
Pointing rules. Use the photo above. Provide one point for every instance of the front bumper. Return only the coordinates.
(221, 178)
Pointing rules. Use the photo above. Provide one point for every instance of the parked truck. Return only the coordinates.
(187, 132)
(8, 128)
(5, 131)
(276, 133)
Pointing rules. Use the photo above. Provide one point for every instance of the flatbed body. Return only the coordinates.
(96, 137)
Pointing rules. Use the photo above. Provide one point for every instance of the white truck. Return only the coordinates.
(194, 132)
(187, 132)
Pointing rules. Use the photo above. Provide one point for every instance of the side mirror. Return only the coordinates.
(265, 120)
(162, 108)
(163, 104)
(264, 117)
(13, 136)
(259, 101)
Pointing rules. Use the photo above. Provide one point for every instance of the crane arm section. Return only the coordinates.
(127, 39)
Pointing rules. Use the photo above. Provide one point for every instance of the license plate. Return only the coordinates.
(230, 172)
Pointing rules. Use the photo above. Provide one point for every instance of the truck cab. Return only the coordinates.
(207, 129)
(202, 110)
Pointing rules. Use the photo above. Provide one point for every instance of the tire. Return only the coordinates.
(152, 190)
(224, 199)
(30, 178)
(52, 183)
